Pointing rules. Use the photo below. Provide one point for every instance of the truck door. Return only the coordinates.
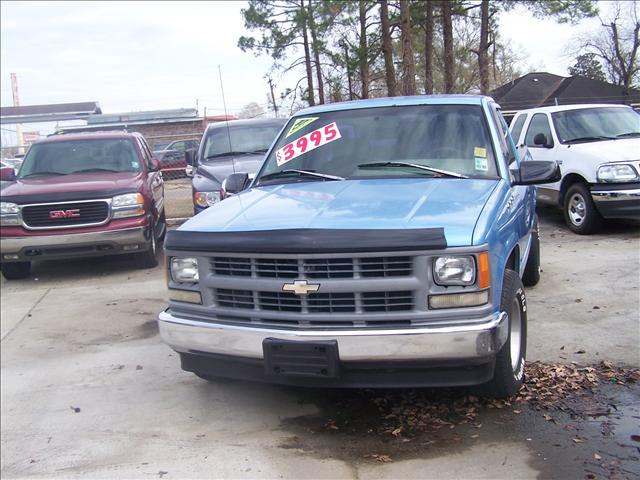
(540, 126)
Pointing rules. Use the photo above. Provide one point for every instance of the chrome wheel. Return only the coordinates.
(577, 209)
(516, 334)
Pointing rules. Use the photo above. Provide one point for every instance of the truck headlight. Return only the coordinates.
(184, 270)
(9, 214)
(454, 270)
(206, 199)
(128, 205)
(620, 172)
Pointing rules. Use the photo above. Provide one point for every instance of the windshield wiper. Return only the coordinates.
(628, 134)
(593, 138)
(226, 154)
(95, 170)
(300, 173)
(426, 168)
(41, 173)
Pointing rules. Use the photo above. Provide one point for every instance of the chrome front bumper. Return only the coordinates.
(438, 342)
(70, 245)
(617, 203)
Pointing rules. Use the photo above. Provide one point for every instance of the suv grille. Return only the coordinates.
(40, 216)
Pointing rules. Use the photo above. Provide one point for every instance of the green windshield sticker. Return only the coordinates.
(300, 123)
(482, 164)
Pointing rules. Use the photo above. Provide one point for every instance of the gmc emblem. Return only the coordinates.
(64, 213)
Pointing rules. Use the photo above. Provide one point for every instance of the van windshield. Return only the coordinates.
(596, 124)
(78, 156)
(423, 140)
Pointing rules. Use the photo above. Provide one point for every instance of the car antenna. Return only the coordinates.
(226, 120)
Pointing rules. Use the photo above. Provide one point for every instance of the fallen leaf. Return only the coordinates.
(597, 457)
(581, 351)
(577, 440)
(380, 457)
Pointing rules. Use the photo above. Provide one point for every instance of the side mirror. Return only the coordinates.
(534, 172)
(7, 174)
(541, 139)
(235, 183)
(190, 157)
(154, 165)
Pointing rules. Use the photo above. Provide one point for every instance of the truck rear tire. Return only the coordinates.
(509, 370)
(580, 213)
(16, 270)
(531, 275)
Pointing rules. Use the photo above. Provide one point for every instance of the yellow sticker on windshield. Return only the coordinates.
(480, 152)
(300, 123)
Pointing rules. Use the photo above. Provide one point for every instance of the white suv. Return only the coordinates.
(598, 149)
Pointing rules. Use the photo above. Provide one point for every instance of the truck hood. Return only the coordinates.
(624, 149)
(79, 186)
(453, 204)
(215, 171)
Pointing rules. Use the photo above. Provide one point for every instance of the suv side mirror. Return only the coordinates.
(235, 183)
(7, 174)
(190, 157)
(534, 172)
(541, 139)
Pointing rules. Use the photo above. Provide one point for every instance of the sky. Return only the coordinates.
(132, 56)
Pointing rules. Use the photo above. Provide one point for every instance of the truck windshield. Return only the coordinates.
(596, 124)
(451, 140)
(239, 140)
(77, 156)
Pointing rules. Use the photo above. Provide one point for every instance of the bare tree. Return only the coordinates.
(387, 49)
(447, 34)
(428, 47)
(616, 45)
(408, 62)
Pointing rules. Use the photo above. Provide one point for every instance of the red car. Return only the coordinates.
(82, 195)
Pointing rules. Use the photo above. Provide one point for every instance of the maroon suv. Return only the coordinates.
(81, 195)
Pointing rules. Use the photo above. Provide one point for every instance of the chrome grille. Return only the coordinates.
(88, 213)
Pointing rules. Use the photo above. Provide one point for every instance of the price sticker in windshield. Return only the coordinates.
(308, 142)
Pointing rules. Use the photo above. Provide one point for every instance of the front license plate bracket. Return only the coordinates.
(301, 359)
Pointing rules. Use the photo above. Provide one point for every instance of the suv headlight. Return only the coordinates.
(206, 199)
(619, 172)
(9, 214)
(454, 270)
(128, 205)
(184, 270)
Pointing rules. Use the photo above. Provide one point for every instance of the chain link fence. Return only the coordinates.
(170, 150)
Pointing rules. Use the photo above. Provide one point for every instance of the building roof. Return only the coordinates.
(48, 113)
(150, 116)
(539, 89)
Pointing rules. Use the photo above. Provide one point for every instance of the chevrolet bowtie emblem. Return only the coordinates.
(301, 287)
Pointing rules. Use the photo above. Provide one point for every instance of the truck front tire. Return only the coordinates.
(149, 258)
(16, 270)
(509, 370)
(580, 213)
(531, 275)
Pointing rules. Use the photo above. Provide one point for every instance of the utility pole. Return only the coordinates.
(273, 97)
(16, 103)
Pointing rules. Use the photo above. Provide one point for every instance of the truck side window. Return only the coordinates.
(539, 124)
(517, 127)
(503, 131)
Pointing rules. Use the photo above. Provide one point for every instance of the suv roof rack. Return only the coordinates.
(88, 132)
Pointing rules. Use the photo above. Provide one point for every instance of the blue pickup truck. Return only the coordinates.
(382, 243)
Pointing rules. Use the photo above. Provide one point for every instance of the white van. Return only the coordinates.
(598, 149)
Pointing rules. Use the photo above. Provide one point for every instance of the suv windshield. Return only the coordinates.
(595, 124)
(239, 139)
(76, 156)
(425, 140)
